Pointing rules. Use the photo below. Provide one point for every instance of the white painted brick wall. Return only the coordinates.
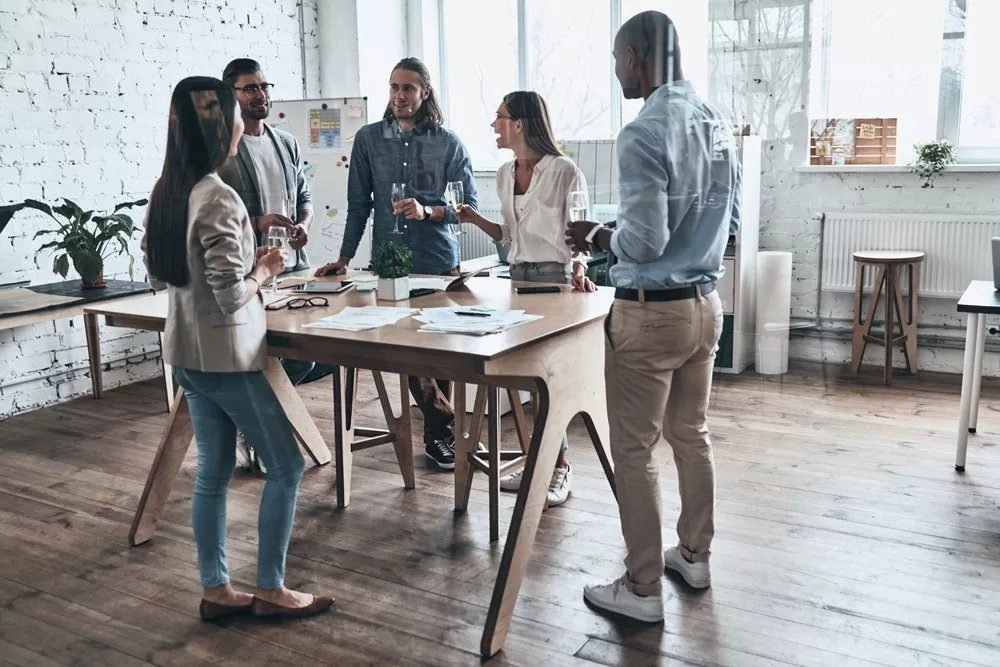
(84, 92)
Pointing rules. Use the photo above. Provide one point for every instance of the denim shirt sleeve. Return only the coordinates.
(643, 231)
(460, 169)
(359, 195)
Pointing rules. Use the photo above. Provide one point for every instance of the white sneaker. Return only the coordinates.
(697, 575)
(615, 597)
(559, 486)
(243, 456)
(512, 482)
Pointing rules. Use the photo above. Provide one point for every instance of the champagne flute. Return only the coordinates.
(398, 194)
(277, 237)
(455, 194)
(578, 204)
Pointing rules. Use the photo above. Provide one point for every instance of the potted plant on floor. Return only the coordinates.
(83, 237)
(392, 266)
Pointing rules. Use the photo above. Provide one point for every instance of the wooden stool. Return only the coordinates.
(888, 263)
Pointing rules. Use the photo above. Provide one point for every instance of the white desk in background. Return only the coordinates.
(979, 299)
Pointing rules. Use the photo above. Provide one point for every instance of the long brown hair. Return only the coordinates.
(528, 107)
(430, 108)
(200, 130)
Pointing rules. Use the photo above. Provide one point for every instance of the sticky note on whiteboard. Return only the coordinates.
(354, 111)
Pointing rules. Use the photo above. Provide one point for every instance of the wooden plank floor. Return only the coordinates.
(844, 537)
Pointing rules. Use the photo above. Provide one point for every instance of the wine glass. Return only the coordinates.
(578, 203)
(398, 194)
(455, 194)
(277, 237)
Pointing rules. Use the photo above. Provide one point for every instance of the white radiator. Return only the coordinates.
(957, 247)
(476, 243)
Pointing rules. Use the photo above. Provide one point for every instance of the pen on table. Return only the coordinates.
(471, 314)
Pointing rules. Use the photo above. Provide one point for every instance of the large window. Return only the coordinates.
(927, 63)
(558, 48)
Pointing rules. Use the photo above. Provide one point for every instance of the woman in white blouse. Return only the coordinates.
(534, 191)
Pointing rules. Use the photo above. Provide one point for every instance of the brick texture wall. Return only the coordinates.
(84, 92)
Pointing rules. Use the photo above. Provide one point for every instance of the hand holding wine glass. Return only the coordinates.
(398, 195)
(277, 237)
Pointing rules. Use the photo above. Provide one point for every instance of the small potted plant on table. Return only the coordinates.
(392, 266)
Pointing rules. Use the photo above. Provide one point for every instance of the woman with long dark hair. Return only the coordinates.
(198, 241)
(534, 191)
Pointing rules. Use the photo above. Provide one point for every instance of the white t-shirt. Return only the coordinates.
(534, 224)
(270, 173)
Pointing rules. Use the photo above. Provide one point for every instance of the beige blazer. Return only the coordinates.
(209, 327)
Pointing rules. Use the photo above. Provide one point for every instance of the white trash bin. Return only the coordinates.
(774, 306)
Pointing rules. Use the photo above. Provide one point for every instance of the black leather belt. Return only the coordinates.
(671, 294)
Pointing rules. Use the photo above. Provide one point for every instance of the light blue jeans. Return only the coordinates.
(544, 272)
(219, 404)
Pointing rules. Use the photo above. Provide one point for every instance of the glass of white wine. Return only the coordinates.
(277, 237)
(578, 204)
(398, 194)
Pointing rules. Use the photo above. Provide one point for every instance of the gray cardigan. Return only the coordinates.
(207, 328)
(240, 173)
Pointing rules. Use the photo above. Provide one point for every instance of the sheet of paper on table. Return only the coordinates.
(476, 320)
(361, 319)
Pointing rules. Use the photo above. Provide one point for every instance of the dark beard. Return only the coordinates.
(256, 115)
(631, 93)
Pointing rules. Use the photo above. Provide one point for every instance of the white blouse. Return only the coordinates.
(534, 224)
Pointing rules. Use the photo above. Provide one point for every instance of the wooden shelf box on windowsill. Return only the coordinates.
(849, 141)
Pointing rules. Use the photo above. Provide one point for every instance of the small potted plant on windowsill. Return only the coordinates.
(84, 238)
(392, 266)
(932, 158)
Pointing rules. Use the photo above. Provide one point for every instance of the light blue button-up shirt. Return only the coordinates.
(678, 192)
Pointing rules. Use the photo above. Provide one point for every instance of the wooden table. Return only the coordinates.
(115, 291)
(558, 357)
(980, 298)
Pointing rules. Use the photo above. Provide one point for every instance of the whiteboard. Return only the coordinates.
(325, 130)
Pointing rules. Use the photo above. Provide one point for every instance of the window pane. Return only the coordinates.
(691, 19)
(980, 93)
(879, 59)
(570, 64)
(481, 67)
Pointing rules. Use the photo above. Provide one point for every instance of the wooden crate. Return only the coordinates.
(857, 140)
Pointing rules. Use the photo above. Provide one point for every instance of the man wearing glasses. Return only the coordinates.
(267, 174)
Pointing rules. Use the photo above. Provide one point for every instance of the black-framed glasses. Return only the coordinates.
(295, 302)
(255, 89)
(498, 117)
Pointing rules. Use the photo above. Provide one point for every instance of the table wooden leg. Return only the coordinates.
(92, 329)
(467, 433)
(345, 381)
(493, 454)
(890, 306)
(298, 416)
(168, 375)
(399, 426)
(174, 443)
(973, 331)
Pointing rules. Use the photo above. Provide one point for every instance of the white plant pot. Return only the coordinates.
(393, 289)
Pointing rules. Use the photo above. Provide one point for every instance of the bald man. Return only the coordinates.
(678, 191)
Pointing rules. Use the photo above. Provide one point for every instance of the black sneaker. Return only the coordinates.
(442, 453)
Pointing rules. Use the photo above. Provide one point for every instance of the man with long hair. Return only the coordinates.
(679, 202)
(411, 146)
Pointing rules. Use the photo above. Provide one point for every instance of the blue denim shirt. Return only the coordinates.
(426, 159)
(679, 195)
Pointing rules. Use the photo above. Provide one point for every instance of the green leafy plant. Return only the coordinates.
(931, 160)
(82, 237)
(392, 260)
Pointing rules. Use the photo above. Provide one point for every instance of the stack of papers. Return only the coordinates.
(360, 319)
(472, 320)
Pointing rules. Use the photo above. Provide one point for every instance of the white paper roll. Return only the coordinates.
(774, 305)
